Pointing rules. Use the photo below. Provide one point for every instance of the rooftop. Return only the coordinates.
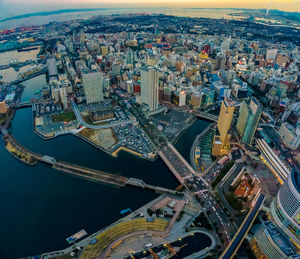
(295, 175)
(279, 238)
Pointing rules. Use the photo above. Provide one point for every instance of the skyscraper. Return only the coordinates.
(52, 69)
(249, 115)
(285, 209)
(149, 87)
(93, 86)
(271, 54)
(221, 144)
(130, 59)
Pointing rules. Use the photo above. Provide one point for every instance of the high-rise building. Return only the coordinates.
(208, 97)
(63, 97)
(116, 69)
(93, 86)
(179, 98)
(290, 135)
(130, 58)
(271, 54)
(3, 107)
(196, 98)
(269, 241)
(151, 60)
(149, 87)
(221, 143)
(51, 65)
(104, 50)
(249, 115)
(285, 209)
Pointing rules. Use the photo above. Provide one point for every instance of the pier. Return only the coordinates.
(26, 156)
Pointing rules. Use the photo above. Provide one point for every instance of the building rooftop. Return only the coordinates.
(279, 238)
(295, 175)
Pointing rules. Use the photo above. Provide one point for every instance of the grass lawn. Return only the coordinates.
(64, 117)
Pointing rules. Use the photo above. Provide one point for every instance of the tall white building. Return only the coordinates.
(290, 135)
(63, 97)
(93, 86)
(271, 54)
(285, 209)
(149, 87)
(51, 65)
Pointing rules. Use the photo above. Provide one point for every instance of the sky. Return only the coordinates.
(10, 8)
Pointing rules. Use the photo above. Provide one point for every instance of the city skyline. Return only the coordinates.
(149, 132)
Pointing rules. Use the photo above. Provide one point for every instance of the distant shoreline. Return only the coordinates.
(61, 11)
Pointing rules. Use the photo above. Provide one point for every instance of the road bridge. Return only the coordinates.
(268, 125)
(48, 159)
(16, 65)
(4, 131)
(182, 170)
(89, 126)
(240, 235)
(140, 183)
(207, 116)
(20, 80)
(90, 174)
(29, 103)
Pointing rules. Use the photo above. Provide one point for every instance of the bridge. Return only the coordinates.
(268, 125)
(240, 235)
(182, 170)
(77, 170)
(89, 126)
(48, 159)
(4, 131)
(20, 80)
(17, 65)
(140, 183)
(29, 103)
(207, 116)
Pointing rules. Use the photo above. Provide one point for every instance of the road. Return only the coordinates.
(243, 230)
(89, 126)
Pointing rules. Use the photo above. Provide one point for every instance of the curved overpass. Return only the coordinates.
(89, 126)
(238, 239)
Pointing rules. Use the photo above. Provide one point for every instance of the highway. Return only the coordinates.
(184, 173)
(199, 188)
(236, 242)
(89, 126)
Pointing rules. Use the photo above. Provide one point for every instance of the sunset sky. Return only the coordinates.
(15, 7)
